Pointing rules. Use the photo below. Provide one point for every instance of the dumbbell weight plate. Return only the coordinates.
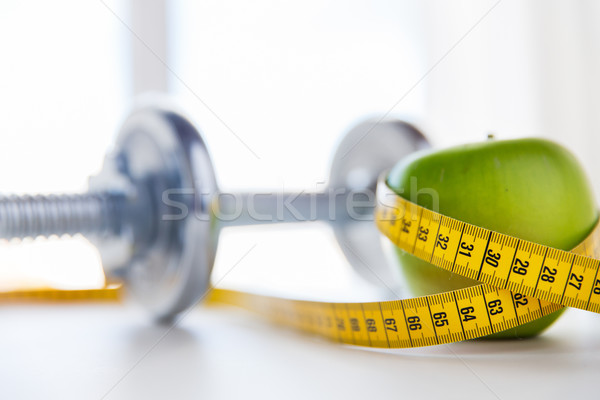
(366, 151)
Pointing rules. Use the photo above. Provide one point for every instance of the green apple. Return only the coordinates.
(532, 189)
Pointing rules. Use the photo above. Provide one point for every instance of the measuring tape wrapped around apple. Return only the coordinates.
(488, 229)
(505, 232)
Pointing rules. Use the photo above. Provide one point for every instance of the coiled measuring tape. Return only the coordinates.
(521, 281)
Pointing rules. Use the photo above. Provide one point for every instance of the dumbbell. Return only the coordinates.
(155, 210)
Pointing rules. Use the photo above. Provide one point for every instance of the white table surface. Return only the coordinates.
(111, 351)
(114, 351)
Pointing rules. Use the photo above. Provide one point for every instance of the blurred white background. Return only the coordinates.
(274, 85)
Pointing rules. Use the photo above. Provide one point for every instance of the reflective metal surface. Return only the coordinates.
(365, 152)
(155, 211)
(166, 241)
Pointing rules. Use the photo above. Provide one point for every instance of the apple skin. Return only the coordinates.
(532, 189)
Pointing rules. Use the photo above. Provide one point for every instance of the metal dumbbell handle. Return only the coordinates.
(32, 216)
(100, 213)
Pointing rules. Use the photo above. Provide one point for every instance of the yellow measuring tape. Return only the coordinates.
(110, 292)
(521, 281)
